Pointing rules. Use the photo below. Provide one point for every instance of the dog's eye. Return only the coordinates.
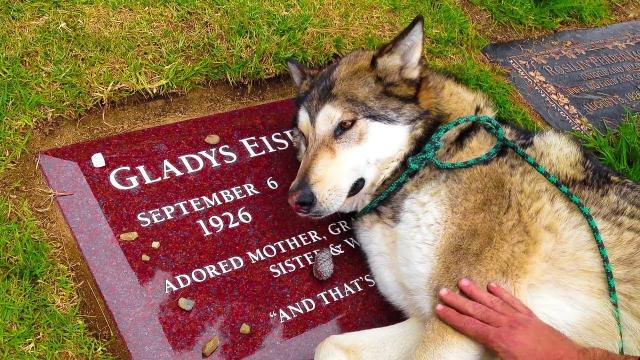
(344, 126)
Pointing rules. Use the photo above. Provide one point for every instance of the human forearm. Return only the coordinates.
(502, 323)
(600, 354)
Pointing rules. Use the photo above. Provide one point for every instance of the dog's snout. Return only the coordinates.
(302, 199)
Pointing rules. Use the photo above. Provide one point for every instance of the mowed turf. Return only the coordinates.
(619, 149)
(60, 58)
(545, 14)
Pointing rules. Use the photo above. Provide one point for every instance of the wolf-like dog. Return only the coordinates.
(358, 120)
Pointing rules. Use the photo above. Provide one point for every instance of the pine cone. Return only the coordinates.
(323, 267)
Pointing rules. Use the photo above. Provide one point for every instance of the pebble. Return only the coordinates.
(323, 266)
(186, 304)
(145, 257)
(155, 244)
(212, 139)
(245, 328)
(97, 160)
(210, 346)
(129, 236)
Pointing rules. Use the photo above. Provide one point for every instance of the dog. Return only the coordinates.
(357, 122)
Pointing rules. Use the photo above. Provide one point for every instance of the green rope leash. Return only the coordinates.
(428, 157)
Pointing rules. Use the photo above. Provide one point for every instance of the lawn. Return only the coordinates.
(61, 58)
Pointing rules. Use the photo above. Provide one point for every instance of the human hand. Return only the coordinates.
(502, 323)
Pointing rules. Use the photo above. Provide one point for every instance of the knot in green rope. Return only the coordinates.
(417, 162)
(488, 123)
(427, 156)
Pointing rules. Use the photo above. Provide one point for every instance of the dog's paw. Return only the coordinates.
(332, 348)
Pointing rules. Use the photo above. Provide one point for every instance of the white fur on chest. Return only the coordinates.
(402, 258)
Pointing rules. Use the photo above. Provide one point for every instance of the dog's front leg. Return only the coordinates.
(397, 341)
(439, 341)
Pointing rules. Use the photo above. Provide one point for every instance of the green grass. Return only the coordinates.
(60, 58)
(38, 305)
(547, 14)
(619, 149)
(68, 56)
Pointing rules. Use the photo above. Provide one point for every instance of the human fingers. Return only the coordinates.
(475, 293)
(471, 308)
(506, 296)
(467, 325)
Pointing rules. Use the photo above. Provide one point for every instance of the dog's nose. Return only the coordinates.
(302, 199)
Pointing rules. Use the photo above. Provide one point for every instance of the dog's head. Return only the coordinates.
(354, 123)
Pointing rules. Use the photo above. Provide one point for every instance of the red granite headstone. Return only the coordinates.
(213, 226)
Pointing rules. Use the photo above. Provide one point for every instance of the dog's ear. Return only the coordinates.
(300, 74)
(403, 55)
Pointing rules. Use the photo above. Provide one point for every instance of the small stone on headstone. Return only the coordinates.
(129, 236)
(155, 244)
(245, 329)
(212, 139)
(186, 304)
(323, 267)
(145, 257)
(210, 346)
(97, 160)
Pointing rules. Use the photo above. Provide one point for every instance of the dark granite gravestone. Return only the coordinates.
(576, 78)
(213, 225)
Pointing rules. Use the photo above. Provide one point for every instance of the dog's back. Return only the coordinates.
(358, 121)
(505, 221)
